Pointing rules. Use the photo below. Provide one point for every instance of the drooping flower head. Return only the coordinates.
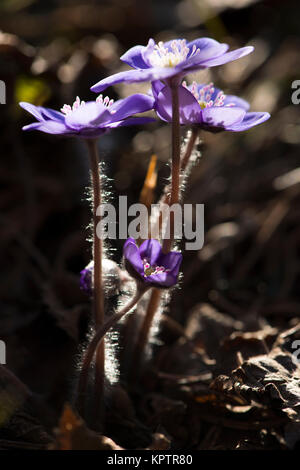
(86, 278)
(91, 119)
(166, 59)
(149, 265)
(113, 278)
(206, 106)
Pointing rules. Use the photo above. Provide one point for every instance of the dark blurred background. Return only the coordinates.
(249, 182)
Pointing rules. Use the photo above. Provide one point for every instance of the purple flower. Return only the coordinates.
(112, 276)
(149, 265)
(90, 119)
(86, 278)
(167, 59)
(206, 106)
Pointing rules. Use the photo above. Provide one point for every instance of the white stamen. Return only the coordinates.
(105, 101)
(172, 55)
(67, 109)
(149, 270)
(204, 96)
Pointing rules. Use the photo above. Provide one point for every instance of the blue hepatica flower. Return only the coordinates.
(166, 59)
(206, 106)
(149, 265)
(91, 119)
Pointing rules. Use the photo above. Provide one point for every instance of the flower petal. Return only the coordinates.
(209, 49)
(137, 103)
(189, 108)
(228, 57)
(150, 249)
(134, 58)
(162, 279)
(86, 278)
(222, 116)
(49, 127)
(52, 114)
(32, 109)
(41, 113)
(132, 76)
(250, 120)
(32, 127)
(132, 254)
(171, 261)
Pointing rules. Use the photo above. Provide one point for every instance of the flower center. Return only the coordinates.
(204, 95)
(67, 109)
(149, 270)
(170, 57)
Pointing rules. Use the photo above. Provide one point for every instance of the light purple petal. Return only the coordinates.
(222, 116)
(250, 120)
(32, 109)
(150, 249)
(208, 47)
(133, 76)
(31, 127)
(52, 114)
(162, 279)
(41, 113)
(50, 127)
(132, 254)
(189, 108)
(134, 58)
(239, 102)
(228, 57)
(137, 103)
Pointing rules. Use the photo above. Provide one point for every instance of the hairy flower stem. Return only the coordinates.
(96, 342)
(184, 162)
(189, 148)
(178, 166)
(152, 307)
(175, 176)
(98, 304)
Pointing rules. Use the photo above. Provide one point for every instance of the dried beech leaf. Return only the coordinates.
(272, 380)
(73, 434)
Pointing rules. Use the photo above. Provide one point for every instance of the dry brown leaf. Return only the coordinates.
(73, 434)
